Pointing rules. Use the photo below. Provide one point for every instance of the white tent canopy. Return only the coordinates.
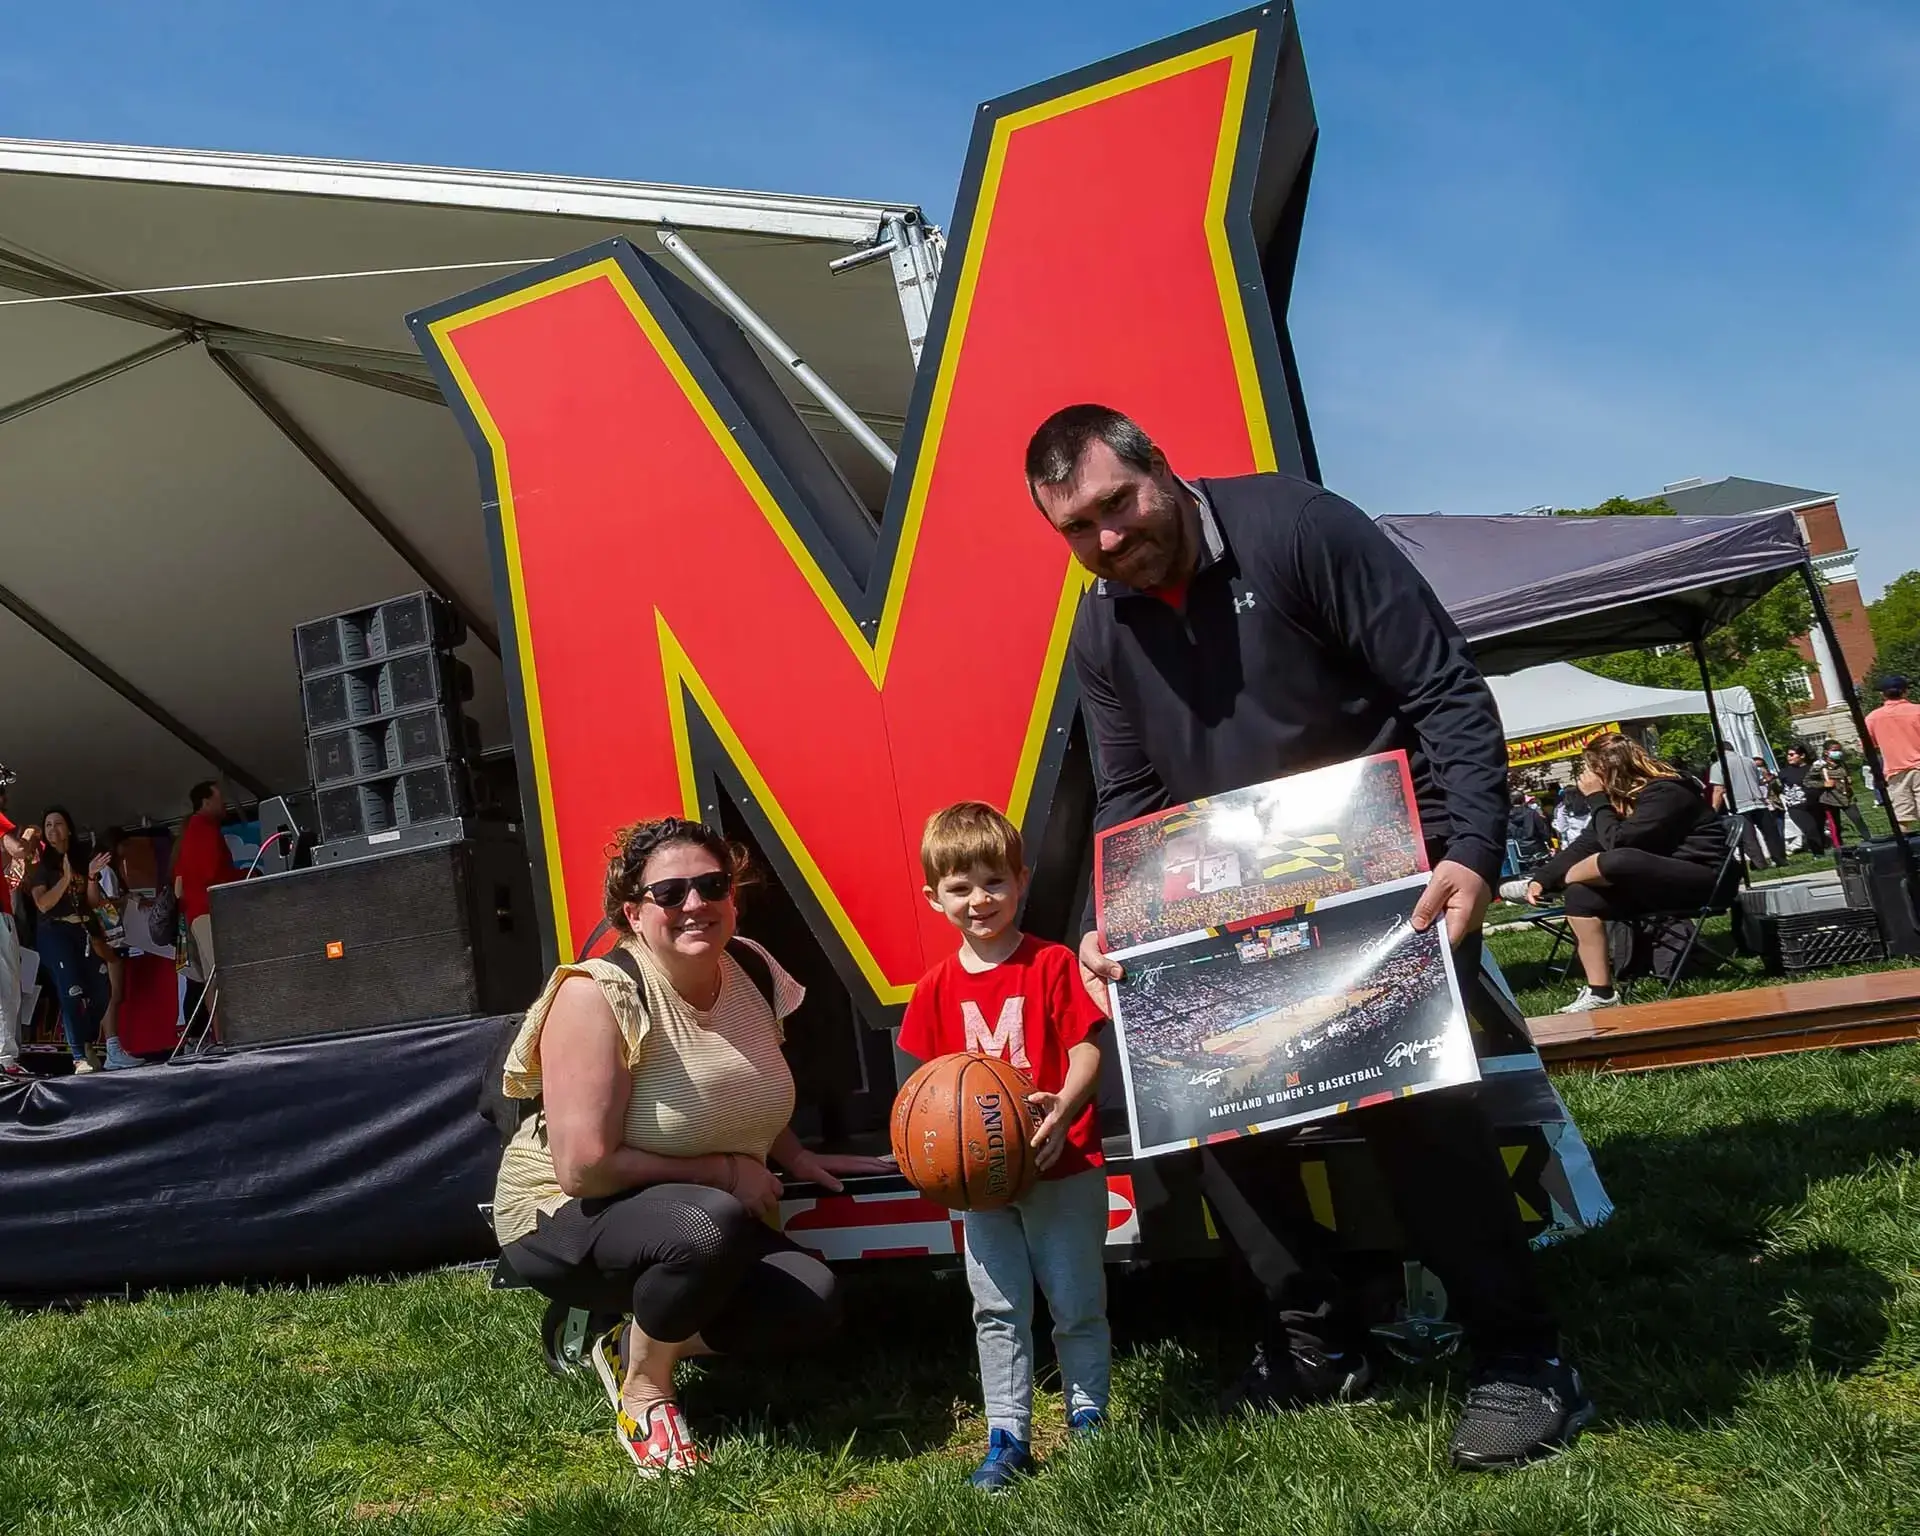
(186, 476)
(1545, 700)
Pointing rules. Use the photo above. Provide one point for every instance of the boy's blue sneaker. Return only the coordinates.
(1008, 1460)
(1087, 1421)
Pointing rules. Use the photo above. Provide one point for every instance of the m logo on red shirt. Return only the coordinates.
(1007, 1039)
(697, 606)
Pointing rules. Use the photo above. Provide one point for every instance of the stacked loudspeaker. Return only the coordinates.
(441, 932)
(412, 911)
(386, 739)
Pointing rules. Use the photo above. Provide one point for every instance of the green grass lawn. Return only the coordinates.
(1749, 1322)
(1539, 988)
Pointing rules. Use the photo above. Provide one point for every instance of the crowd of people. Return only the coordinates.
(68, 899)
(1656, 836)
(1807, 804)
(1177, 1007)
(1212, 1029)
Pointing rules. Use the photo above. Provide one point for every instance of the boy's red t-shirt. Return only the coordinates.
(1029, 1010)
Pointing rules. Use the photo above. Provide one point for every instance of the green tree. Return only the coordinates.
(1901, 658)
(1619, 506)
(1896, 616)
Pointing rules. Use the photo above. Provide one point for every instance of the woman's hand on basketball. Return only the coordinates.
(756, 1186)
(1097, 969)
(1050, 1135)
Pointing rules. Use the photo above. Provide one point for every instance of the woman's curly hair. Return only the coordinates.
(633, 846)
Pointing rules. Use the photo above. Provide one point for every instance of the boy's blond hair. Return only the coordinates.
(968, 834)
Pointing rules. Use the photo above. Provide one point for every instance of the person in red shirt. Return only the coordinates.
(1009, 995)
(200, 862)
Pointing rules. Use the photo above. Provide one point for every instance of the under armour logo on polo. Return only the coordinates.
(1243, 604)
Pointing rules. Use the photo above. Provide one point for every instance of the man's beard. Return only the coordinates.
(1157, 555)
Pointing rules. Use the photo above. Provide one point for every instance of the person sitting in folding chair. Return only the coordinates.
(1655, 845)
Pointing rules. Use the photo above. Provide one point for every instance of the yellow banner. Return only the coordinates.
(1544, 749)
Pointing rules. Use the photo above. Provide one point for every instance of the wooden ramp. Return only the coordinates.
(1878, 1009)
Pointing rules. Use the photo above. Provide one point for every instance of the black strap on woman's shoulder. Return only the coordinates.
(748, 958)
(758, 970)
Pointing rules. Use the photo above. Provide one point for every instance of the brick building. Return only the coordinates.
(1818, 513)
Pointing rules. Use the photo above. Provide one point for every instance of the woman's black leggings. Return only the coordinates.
(685, 1259)
(1637, 882)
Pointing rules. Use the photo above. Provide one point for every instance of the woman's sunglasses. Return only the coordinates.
(715, 885)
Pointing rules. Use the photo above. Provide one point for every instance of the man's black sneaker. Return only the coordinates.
(1299, 1378)
(1518, 1411)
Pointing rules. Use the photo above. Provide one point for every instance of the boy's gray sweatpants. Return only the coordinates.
(1056, 1235)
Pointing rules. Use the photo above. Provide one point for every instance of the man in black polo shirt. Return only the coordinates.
(1246, 628)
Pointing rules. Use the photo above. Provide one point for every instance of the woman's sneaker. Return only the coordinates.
(660, 1442)
(1588, 1000)
(1007, 1461)
(1515, 891)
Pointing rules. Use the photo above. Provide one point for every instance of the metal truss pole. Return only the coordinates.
(771, 339)
(264, 402)
(47, 630)
(94, 376)
(915, 253)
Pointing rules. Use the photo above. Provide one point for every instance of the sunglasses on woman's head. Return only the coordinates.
(714, 885)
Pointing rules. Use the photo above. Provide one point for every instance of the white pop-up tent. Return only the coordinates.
(1558, 696)
(185, 476)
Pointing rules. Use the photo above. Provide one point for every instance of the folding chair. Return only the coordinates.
(1725, 884)
(1553, 921)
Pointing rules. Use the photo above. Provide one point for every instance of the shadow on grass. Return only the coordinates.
(1696, 1286)
(1699, 1282)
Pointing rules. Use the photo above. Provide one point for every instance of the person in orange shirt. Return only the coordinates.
(1895, 729)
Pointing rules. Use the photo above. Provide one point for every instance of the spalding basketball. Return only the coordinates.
(963, 1132)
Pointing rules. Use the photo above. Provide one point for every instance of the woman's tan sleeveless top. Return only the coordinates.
(702, 1082)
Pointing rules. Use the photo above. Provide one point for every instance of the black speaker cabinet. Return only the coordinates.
(441, 932)
(1873, 875)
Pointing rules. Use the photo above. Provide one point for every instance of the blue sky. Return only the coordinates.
(1553, 252)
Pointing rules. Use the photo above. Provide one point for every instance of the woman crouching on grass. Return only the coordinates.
(641, 1183)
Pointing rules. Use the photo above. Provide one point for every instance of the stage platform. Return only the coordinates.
(1882, 1008)
(355, 1155)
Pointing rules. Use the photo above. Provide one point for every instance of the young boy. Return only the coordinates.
(1019, 998)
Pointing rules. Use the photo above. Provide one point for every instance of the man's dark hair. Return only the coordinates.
(1054, 451)
(202, 792)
